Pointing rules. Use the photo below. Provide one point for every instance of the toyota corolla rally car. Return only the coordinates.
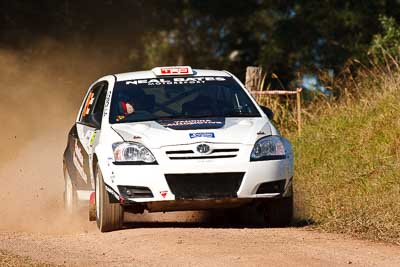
(175, 138)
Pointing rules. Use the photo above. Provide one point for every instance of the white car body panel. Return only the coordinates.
(154, 135)
(237, 133)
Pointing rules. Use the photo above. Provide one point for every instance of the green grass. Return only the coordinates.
(347, 168)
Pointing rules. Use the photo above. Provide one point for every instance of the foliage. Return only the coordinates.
(387, 43)
(285, 37)
(347, 160)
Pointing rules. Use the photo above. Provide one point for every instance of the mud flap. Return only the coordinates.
(112, 195)
(288, 192)
(92, 207)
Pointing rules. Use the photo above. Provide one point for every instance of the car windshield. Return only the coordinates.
(179, 98)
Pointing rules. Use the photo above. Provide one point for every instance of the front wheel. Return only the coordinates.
(279, 212)
(109, 216)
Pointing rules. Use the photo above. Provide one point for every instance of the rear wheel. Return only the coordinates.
(279, 212)
(70, 198)
(109, 216)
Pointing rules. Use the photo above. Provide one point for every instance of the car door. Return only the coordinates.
(88, 128)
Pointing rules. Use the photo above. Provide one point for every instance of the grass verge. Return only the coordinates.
(348, 164)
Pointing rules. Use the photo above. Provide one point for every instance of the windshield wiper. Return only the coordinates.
(172, 117)
(188, 117)
(237, 114)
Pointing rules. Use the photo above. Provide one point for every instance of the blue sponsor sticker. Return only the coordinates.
(205, 135)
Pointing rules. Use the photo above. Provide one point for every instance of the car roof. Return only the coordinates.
(148, 74)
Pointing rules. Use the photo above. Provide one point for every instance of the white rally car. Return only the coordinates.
(175, 138)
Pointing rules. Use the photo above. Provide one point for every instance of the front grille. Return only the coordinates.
(205, 157)
(204, 185)
(180, 152)
(214, 154)
(135, 191)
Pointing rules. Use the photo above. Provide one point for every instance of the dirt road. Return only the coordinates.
(171, 243)
(34, 230)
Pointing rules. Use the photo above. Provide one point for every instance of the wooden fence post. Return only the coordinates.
(298, 104)
(255, 82)
(253, 78)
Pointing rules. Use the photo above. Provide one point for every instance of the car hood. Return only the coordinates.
(233, 131)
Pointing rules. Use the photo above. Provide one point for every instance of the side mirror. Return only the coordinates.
(95, 119)
(268, 112)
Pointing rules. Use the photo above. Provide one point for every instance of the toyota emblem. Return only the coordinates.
(203, 148)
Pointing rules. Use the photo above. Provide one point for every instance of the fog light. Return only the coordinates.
(128, 192)
(135, 191)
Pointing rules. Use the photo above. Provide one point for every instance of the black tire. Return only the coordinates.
(109, 216)
(70, 197)
(279, 212)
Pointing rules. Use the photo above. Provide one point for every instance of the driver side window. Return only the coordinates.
(92, 111)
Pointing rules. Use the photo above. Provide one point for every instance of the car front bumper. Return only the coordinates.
(154, 177)
(236, 179)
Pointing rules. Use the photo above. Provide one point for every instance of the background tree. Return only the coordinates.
(286, 37)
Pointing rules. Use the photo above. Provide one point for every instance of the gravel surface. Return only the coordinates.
(8, 259)
(169, 242)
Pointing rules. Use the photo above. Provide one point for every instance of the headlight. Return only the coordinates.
(268, 148)
(132, 153)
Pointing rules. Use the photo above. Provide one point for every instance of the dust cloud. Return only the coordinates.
(41, 90)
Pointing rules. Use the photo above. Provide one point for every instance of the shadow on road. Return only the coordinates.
(232, 219)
